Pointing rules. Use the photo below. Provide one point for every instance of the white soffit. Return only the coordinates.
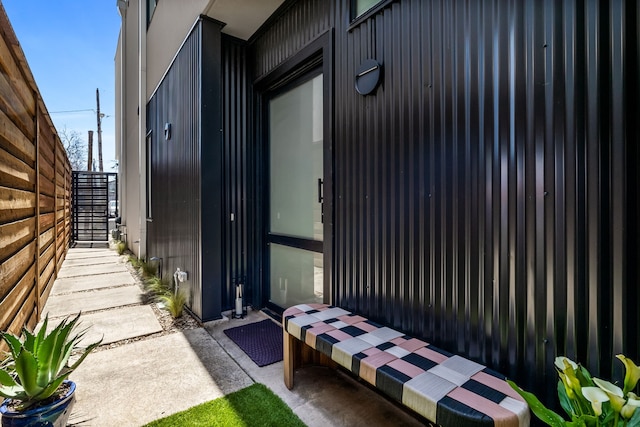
(242, 17)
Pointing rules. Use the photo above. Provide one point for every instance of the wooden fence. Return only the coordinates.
(35, 191)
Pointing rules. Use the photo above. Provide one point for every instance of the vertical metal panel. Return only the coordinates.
(175, 227)
(485, 198)
(186, 170)
(238, 171)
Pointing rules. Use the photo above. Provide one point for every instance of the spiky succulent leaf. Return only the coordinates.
(85, 354)
(29, 341)
(6, 379)
(27, 370)
(45, 355)
(14, 344)
(40, 362)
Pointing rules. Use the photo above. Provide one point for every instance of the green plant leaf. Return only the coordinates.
(542, 412)
(40, 335)
(14, 344)
(85, 354)
(12, 392)
(27, 370)
(29, 341)
(6, 379)
(634, 421)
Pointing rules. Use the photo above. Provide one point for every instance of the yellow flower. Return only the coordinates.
(616, 396)
(632, 374)
(633, 402)
(596, 397)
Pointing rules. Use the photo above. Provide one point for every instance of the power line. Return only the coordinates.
(79, 111)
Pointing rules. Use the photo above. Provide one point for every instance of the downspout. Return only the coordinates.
(122, 160)
(142, 124)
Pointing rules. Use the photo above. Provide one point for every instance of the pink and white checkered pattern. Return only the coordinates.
(444, 388)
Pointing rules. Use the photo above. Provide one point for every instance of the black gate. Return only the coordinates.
(94, 201)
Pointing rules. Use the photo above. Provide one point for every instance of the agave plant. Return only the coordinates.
(38, 364)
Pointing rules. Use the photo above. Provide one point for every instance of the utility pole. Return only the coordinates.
(90, 151)
(99, 130)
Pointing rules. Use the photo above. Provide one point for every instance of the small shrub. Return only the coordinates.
(157, 285)
(174, 302)
(135, 262)
(121, 247)
(147, 269)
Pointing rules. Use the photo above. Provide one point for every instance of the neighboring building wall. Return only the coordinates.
(35, 192)
(486, 197)
(127, 148)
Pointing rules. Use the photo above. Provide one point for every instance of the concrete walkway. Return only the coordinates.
(142, 373)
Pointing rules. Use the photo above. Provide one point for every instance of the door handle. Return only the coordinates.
(320, 197)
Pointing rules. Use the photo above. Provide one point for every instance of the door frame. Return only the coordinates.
(316, 55)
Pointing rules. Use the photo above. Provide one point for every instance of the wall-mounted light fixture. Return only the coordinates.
(167, 131)
(368, 76)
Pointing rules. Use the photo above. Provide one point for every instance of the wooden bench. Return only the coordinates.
(444, 388)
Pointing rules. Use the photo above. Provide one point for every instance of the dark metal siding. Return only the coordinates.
(485, 197)
(174, 233)
(238, 171)
(186, 229)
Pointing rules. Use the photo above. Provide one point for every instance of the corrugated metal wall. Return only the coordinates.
(239, 170)
(174, 231)
(185, 228)
(486, 195)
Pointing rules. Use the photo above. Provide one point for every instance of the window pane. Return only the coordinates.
(363, 5)
(296, 161)
(296, 276)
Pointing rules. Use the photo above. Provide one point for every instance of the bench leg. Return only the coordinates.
(289, 357)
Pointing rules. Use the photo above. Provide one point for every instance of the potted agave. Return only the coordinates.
(33, 376)
(590, 401)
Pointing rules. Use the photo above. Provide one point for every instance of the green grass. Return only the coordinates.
(253, 406)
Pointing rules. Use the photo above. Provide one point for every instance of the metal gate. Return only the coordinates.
(94, 200)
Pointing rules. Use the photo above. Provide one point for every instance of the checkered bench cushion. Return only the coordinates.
(444, 388)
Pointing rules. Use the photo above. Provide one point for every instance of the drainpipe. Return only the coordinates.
(122, 160)
(142, 124)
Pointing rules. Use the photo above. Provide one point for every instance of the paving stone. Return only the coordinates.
(63, 305)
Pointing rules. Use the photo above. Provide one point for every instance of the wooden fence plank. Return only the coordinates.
(47, 187)
(15, 205)
(35, 190)
(47, 203)
(16, 297)
(46, 148)
(46, 256)
(13, 268)
(13, 106)
(12, 70)
(46, 238)
(14, 140)
(15, 235)
(47, 272)
(15, 173)
(46, 221)
(46, 170)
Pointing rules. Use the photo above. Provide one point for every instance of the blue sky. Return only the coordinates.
(70, 46)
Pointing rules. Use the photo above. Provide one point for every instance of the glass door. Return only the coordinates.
(295, 233)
